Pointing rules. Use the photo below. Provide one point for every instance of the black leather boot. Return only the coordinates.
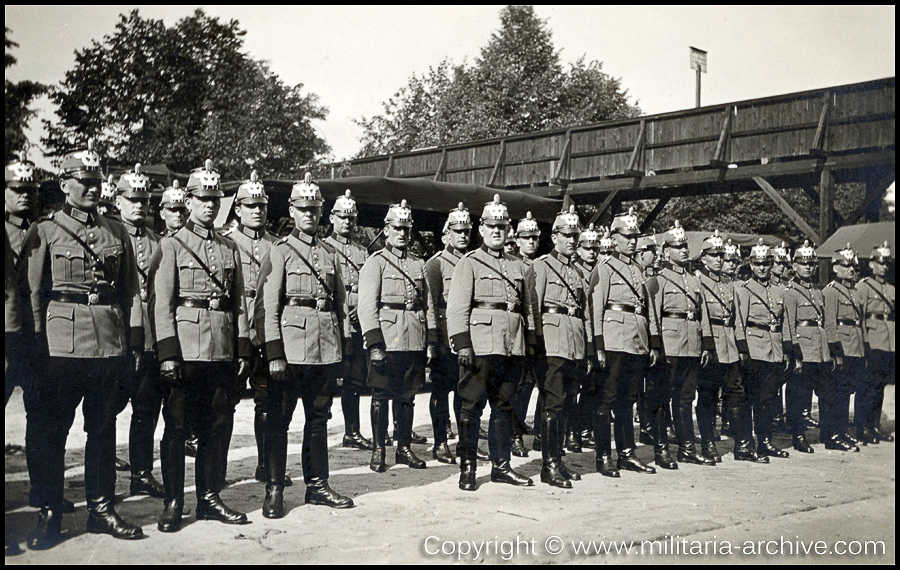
(259, 431)
(352, 437)
(517, 447)
(122, 465)
(37, 501)
(404, 454)
(603, 446)
(103, 519)
(273, 504)
(687, 453)
(190, 446)
(710, 452)
(808, 419)
(801, 445)
(863, 434)
(550, 472)
(767, 448)
(468, 442)
(661, 455)
(144, 483)
(501, 472)
(170, 519)
(319, 493)
(379, 432)
(567, 472)
(833, 442)
(743, 441)
(743, 451)
(572, 444)
(210, 507)
(443, 454)
(881, 434)
(48, 531)
(624, 433)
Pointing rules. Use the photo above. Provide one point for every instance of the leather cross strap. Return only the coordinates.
(311, 268)
(761, 300)
(640, 298)
(566, 283)
(880, 294)
(350, 261)
(408, 278)
(694, 302)
(202, 265)
(819, 314)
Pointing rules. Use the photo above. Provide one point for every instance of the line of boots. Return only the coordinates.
(499, 445)
(404, 453)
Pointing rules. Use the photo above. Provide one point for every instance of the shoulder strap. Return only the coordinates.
(202, 265)
(308, 264)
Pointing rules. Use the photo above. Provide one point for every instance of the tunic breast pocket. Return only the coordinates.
(489, 286)
(393, 285)
(69, 264)
(299, 281)
(190, 276)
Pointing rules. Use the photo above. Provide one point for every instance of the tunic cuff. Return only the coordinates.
(136, 337)
(787, 348)
(434, 336)
(275, 350)
(836, 348)
(168, 349)
(598, 343)
(797, 352)
(460, 341)
(374, 337)
(244, 348)
(655, 342)
(708, 343)
(743, 347)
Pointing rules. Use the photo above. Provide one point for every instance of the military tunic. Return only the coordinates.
(144, 243)
(844, 328)
(16, 228)
(254, 246)
(351, 257)
(718, 317)
(559, 305)
(623, 317)
(439, 274)
(877, 302)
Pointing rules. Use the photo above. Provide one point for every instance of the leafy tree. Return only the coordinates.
(18, 98)
(179, 95)
(516, 85)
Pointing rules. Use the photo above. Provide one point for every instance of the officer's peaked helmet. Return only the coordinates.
(134, 184)
(205, 182)
(20, 174)
(496, 211)
(252, 191)
(82, 164)
(527, 227)
(567, 222)
(399, 215)
(306, 193)
(626, 223)
(345, 205)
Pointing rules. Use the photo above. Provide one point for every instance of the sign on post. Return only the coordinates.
(698, 59)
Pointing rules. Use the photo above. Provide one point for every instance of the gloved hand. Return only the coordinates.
(837, 363)
(798, 367)
(589, 366)
(431, 354)
(171, 370)
(466, 357)
(277, 369)
(601, 358)
(353, 316)
(137, 357)
(745, 358)
(787, 362)
(654, 357)
(704, 358)
(377, 355)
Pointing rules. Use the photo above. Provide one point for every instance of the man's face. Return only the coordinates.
(844, 272)
(343, 224)
(493, 234)
(511, 248)
(565, 243)
(133, 210)
(761, 269)
(397, 236)
(646, 257)
(21, 200)
(879, 269)
(714, 261)
(204, 210)
(82, 193)
(459, 238)
(252, 216)
(587, 253)
(805, 269)
(174, 217)
(678, 254)
(626, 244)
(306, 218)
(729, 266)
(527, 245)
(779, 269)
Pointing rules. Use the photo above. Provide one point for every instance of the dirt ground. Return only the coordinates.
(830, 507)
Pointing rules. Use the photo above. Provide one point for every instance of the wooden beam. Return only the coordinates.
(567, 201)
(818, 146)
(602, 208)
(719, 156)
(654, 213)
(874, 192)
(442, 167)
(562, 169)
(787, 209)
(826, 205)
(390, 168)
(637, 154)
(498, 166)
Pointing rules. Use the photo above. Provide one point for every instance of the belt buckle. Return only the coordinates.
(819, 323)
(690, 315)
(144, 294)
(320, 304)
(510, 307)
(214, 304)
(409, 305)
(572, 311)
(93, 298)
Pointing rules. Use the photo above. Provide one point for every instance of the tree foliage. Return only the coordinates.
(18, 98)
(516, 85)
(180, 95)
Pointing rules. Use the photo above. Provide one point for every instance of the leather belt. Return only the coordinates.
(250, 294)
(571, 311)
(400, 306)
(82, 298)
(809, 323)
(211, 304)
(880, 316)
(848, 322)
(763, 326)
(688, 316)
(622, 308)
(323, 305)
(440, 305)
(722, 322)
(509, 307)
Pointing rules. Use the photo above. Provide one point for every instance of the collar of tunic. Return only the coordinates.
(252, 234)
(86, 217)
(198, 229)
(136, 231)
(304, 237)
(18, 221)
(498, 254)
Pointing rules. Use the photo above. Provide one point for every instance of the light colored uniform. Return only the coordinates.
(560, 303)
(877, 302)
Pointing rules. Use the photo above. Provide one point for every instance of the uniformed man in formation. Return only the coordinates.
(527, 235)
(564, 339)
(844, 328)
(442, 362)
(626, 338)
(173, 208)
(84, 316)
(199, 318)
(145, 389)
(877, 300)
(722, 371)
(302, 321)
(396, 314)
(351, 257)
(107, 205)
(489, 322)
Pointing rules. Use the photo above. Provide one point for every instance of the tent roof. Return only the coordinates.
(861, 237)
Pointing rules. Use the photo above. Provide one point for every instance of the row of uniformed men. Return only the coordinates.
(495, 311)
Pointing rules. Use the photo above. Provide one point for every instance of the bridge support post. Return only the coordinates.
(826, 216)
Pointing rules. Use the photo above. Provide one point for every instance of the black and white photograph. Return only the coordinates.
(450, 284)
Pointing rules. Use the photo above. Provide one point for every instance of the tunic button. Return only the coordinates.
(91, 235)
(213, 267)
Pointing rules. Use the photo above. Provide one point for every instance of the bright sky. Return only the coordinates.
(356, 57)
